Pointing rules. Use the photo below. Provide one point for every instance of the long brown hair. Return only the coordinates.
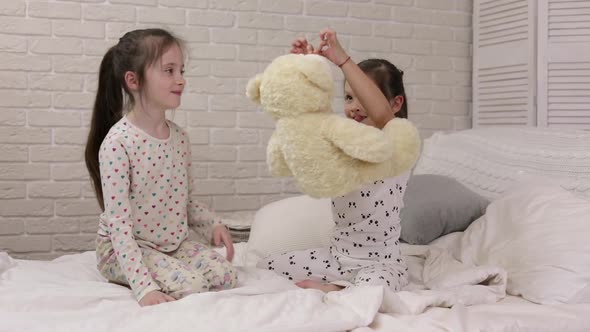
(134, 52)
(389, 79)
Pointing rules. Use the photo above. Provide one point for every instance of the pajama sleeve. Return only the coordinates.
(114, 172)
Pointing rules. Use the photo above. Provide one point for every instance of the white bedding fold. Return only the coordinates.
(6, 262)
(439, 280)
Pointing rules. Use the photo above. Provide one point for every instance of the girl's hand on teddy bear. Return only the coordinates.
(330, 47)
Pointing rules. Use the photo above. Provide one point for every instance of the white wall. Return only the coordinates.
(50, 52)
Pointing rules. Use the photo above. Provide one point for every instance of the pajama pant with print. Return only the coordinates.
(320, 265)
(192, 268)
(364, 247)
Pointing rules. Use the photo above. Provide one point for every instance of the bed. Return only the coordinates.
(462, 281)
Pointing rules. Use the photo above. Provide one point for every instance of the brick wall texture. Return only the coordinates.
(49, 56)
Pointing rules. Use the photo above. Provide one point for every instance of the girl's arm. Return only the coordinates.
(374, 102)
(209, 226)
(200, 218)
(114, 171)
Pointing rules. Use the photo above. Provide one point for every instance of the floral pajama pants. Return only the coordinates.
(192, 268)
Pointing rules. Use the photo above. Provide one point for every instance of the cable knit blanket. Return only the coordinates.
(490, 160)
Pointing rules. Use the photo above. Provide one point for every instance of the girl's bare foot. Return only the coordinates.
(318, 285)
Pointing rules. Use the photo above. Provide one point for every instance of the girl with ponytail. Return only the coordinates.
(140, 165)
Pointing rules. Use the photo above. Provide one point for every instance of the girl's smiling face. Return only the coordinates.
(353, 108)
(165, 81)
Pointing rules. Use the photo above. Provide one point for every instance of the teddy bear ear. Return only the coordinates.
(318, 71)
(253, 88)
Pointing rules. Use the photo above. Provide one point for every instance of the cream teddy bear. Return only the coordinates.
(328, 155)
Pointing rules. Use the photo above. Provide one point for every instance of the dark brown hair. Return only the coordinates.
(134, 52)
(389, 79)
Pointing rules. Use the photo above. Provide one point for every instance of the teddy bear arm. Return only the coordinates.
(407, 143)
(276, 160)
(359, 141)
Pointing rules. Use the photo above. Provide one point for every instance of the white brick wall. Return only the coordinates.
(50, 52)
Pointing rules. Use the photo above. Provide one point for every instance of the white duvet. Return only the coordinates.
(68, 294)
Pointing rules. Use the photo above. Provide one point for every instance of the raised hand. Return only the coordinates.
(301, 46)
(330, 47)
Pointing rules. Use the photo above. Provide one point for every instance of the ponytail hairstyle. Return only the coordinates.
(135, 51)
(389, 79)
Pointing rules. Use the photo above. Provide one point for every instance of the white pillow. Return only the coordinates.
(540, 234)
(294, 223)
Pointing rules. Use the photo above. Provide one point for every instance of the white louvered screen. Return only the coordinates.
(504, 68)
(564, 64)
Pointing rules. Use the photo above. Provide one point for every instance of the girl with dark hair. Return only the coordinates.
(364, 246)
(140, 165)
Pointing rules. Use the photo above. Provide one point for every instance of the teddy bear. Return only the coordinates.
(328, 155)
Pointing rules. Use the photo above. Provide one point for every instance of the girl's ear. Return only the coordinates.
(396, 103)
(131, 81)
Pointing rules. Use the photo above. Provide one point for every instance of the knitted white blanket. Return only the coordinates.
(490, 160)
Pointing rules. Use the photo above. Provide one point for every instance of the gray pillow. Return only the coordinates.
(436, 205)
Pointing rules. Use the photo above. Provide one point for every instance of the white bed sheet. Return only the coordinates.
(68, 294)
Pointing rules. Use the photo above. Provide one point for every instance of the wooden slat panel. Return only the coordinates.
(564, 64)
(503, 63)
(502, 21)
(585, 113)
(568, 21)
